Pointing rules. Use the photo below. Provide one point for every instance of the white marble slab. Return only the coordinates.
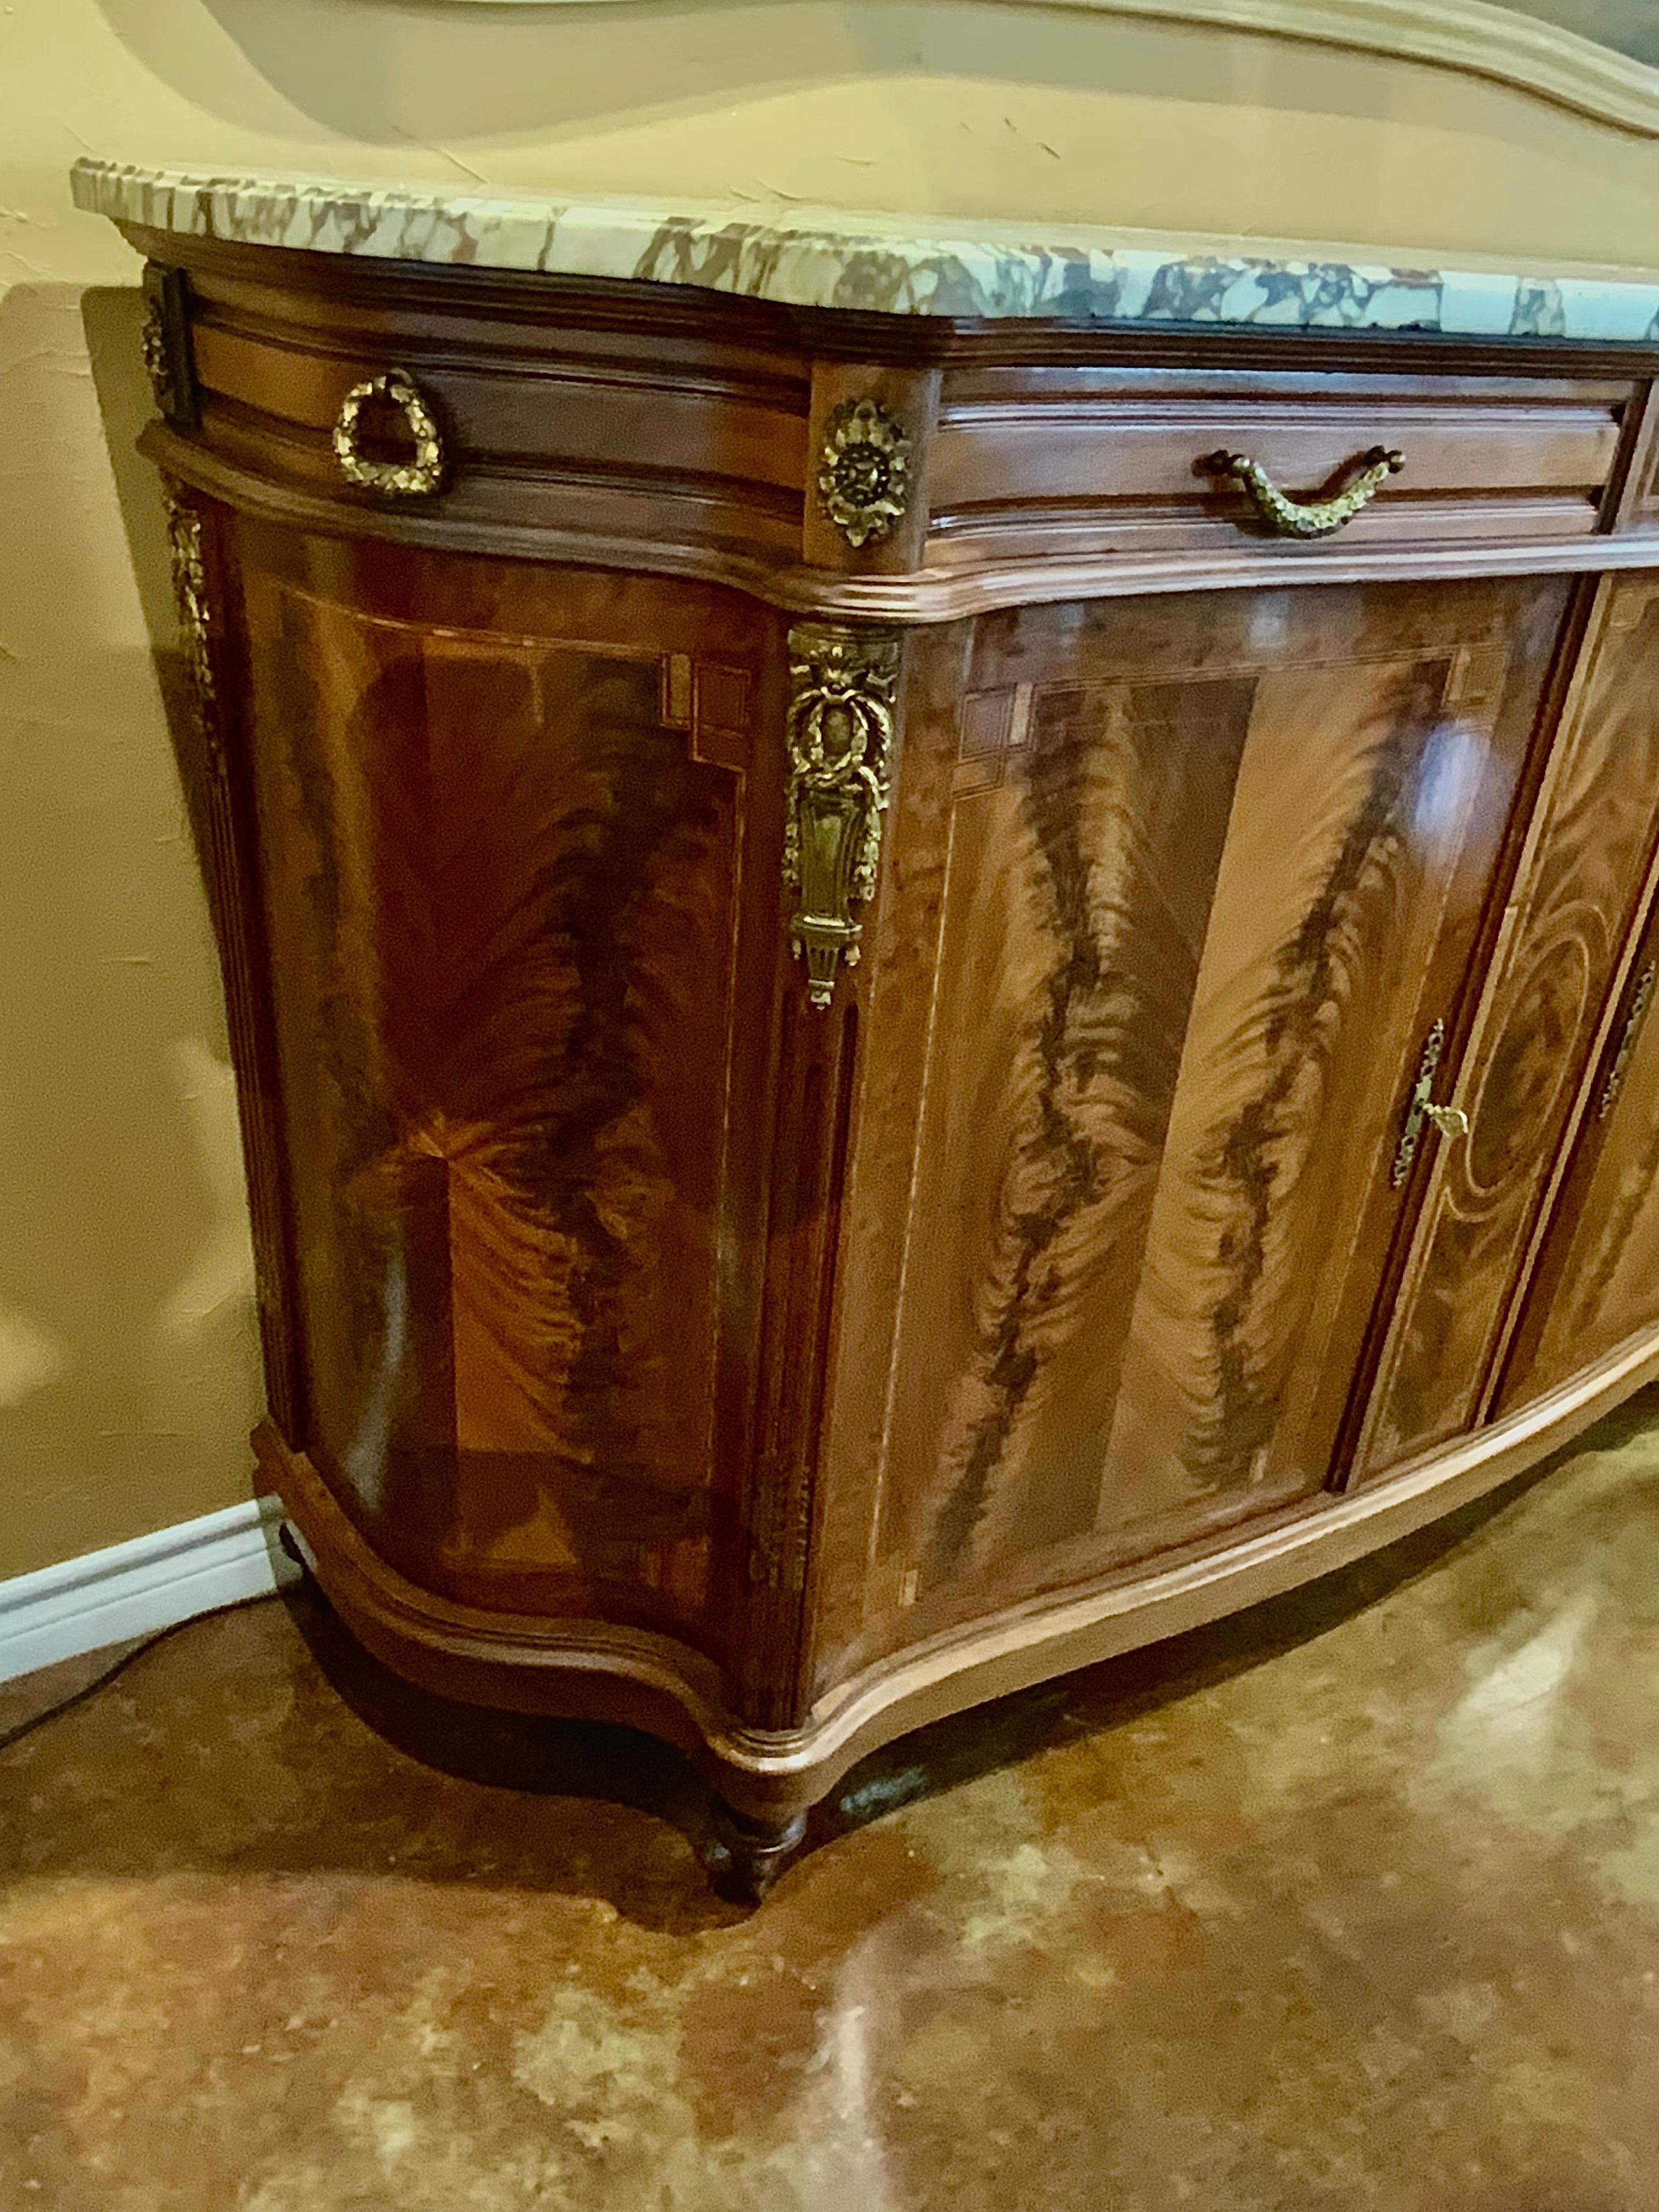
(887, 265)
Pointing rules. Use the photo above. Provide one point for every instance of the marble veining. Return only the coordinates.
(877, 264)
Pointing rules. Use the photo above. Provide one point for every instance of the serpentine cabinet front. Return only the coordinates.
(817, 1152)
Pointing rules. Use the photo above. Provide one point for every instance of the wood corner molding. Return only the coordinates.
(1477, 37)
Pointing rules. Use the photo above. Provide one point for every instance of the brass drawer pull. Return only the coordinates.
(1420, 1107)
(1290, 517)
(402, 479)
(1641, 1000)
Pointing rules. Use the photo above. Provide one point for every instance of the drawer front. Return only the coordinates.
(515, 412)
(1055, 463)
(545, 421)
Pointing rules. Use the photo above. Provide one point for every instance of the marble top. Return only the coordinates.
(881, 264)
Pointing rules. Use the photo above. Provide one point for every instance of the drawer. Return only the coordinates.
(547, 420)
(535, 412)
(1040, 462)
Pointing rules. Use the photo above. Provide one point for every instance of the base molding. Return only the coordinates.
(134, 1588)
(591, 1670)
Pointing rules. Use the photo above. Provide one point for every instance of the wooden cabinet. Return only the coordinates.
(859, 973)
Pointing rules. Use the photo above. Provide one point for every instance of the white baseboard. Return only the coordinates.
(133, 1589)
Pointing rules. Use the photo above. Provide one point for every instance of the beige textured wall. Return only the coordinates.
(127, 1365)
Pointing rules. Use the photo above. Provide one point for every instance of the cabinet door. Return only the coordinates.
(1577, 890)
(1175, 889)
(1595, 1284)
(519, 881)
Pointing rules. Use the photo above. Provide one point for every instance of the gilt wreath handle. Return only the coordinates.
(415, 479)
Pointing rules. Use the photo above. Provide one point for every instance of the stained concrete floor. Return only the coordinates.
(1351, 1902)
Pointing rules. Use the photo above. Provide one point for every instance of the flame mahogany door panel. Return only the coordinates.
(1579, 888)
(1595, 1284)
(507, 823)
(1175, 889)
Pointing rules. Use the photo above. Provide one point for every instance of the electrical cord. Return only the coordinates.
(11, 1735)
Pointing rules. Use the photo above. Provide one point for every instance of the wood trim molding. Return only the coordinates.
(927, 596)
(1471, 36)
(590, 1670)
(133, 1589)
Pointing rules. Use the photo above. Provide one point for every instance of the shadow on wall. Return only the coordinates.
(126, 1341)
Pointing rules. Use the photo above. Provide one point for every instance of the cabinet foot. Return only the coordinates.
(749, 1855)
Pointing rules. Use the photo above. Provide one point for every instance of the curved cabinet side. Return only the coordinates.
(217, 775)
(521, 890)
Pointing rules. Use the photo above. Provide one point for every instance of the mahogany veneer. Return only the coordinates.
(777, 1352)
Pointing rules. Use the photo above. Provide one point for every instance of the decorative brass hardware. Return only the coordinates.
(863, 469)
(1420, 1107)
(167, 343)
(190, 594)
(840, 739)
(154, 343)
(403, 479)
(230, 905)
(1448, 1120)
(1290, 517)
(1640, 1001)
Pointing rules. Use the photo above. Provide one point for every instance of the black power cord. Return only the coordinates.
(12, 1735)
